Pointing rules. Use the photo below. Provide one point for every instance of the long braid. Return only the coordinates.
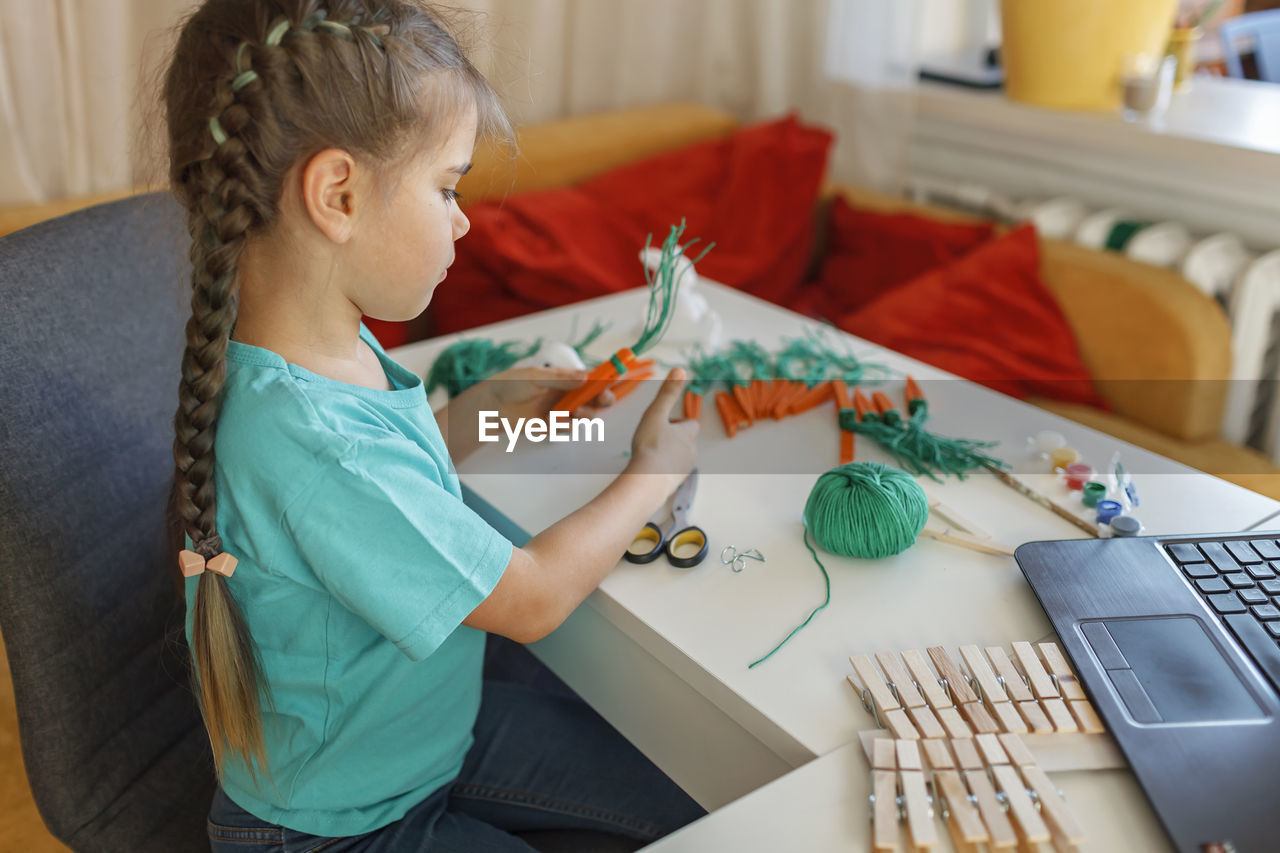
(221, 209)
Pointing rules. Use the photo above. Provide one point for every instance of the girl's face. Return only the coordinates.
(407, 244)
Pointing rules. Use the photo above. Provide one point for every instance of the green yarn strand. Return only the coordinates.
(827, 578)
(597, 329)
(663, 287)
(920, 451)
(863, 509)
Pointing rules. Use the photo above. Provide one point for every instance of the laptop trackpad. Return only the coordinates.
(1174, 672)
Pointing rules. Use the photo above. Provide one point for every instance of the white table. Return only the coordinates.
(662, 652)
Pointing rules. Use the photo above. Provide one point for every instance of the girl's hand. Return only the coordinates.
(530, 392)
(661, 445)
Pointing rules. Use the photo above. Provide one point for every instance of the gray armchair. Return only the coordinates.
(91, 326)
(93, 306)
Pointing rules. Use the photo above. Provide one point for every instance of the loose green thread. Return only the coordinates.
(663, 287)
(827, 578)
(465, 363)
(918, 450)
(863, 509)
(810, 359)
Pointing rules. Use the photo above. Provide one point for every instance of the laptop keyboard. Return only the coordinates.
(1240, 580)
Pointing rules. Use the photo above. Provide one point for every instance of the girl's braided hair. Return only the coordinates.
(254, 88)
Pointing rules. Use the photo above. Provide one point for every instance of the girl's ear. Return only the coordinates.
(329, 193)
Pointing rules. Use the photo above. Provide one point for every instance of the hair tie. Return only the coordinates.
(277, 32)
(192, 564)
(215, 127)
(243, 79)
(208, 556)
(244, 76)
(338, 28)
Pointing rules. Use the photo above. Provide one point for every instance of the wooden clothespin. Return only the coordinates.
(884, 796)
(920, 829)
(951, 797)
(946, 525)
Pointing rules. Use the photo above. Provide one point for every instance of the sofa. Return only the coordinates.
(1159, 350)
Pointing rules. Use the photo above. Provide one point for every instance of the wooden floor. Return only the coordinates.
(20, 824)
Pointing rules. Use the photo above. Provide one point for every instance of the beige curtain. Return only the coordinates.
(72, 107)
(565, 57)
(78, 77)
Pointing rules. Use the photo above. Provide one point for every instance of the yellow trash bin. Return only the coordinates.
(1070, 53)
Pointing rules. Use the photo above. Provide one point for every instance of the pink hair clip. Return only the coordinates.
(193, 564)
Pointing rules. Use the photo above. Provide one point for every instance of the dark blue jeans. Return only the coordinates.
(542, 760)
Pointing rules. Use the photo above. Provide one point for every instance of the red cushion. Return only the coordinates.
(751, 193)
(987, 317)
(869, 253)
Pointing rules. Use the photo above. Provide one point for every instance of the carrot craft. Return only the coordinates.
(663, 286)
(913, 447)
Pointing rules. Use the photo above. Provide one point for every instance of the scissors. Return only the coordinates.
(684, 544)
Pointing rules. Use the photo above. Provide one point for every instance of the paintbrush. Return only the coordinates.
(1023, 489)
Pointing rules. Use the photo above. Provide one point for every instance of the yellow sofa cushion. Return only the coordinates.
(568, 151)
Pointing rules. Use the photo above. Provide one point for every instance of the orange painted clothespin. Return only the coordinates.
(862, 405)
(884, 408)
(601, 377)
(692, 405)
(915, 397)
(841, 392)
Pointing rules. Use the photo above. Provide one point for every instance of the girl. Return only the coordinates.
(331, 566)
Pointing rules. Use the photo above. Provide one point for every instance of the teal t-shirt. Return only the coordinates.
(358, 562)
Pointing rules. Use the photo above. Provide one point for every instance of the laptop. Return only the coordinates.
(1177, 641)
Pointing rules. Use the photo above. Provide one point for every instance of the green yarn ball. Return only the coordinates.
(866, 509)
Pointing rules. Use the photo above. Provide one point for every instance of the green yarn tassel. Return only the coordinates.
(811, 359)
(465, 363)
(706, 369)
(918, 450)
(663, 287)
(597, 329)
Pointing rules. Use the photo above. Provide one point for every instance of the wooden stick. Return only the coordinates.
(1025, 490)
(951, 536)
(950, 514)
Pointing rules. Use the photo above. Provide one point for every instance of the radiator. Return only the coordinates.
(1245, 283)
